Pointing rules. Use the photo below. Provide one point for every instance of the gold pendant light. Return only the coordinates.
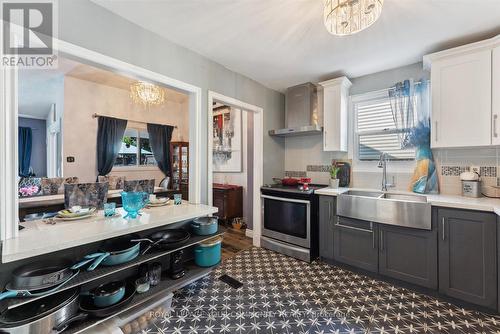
(146, 93)
(347, 17)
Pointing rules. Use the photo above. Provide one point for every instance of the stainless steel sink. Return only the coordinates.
(363, 193)
(405, 210)
(405, 197)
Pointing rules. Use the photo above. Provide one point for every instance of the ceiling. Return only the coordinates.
(281, 43)
(108, 78)
(40, 88)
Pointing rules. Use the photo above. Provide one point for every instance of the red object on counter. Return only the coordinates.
(304, 180)
(289, 181)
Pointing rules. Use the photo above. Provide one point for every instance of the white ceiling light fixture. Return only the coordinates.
(347, 17)
(146, 93)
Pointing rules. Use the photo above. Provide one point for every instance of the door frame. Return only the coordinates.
(9, 215)
(258, 175)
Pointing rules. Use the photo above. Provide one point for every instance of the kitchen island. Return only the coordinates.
(71, 240)
(38, 237)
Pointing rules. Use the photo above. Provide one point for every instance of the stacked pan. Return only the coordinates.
(44, 315)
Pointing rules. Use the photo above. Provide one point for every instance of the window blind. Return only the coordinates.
(377, 132)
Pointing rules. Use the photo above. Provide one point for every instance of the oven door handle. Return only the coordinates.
(285, 199)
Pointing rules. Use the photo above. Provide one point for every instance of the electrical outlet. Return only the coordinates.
(475, 169)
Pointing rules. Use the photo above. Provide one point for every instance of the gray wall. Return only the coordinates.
(39, 144)
(86, 24)
(386, 79)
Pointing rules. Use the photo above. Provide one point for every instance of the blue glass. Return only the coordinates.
(109, 209)
(132, 202)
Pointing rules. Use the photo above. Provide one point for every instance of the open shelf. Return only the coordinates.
(88, 276)
(193, 273)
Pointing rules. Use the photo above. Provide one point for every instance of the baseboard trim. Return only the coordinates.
(249, 233)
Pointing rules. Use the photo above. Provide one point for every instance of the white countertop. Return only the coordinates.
(449, 201)
(40, 238)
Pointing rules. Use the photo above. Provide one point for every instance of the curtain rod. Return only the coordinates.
(95, 115)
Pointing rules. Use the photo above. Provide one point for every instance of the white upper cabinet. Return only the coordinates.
(335, 114)
(462, 102)
(496, 97)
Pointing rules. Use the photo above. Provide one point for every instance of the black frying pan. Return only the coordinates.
(87, 305)
(40, 275)
(166, 239)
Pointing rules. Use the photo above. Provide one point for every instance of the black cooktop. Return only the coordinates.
(293, 189)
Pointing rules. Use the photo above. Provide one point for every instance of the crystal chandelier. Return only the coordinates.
(146, 93)
(347, 17)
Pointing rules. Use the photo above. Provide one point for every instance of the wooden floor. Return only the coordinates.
(234, 241)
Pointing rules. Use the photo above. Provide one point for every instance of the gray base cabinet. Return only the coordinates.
(409, 255)
(467, 256)
(355, 243)
(326, 221)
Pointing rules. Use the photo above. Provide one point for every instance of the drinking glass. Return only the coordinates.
(109, 209)
(177, 199)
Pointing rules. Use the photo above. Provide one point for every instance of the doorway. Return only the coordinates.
(235, 156)
(9, 202)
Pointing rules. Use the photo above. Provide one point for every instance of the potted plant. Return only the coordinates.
(334, 171)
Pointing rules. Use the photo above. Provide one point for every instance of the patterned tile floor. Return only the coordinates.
(284, 295)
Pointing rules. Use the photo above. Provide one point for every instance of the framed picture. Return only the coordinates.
(227, 147)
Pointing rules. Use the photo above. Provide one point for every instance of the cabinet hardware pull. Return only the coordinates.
(436, 131)
(443, 228)
(495, 133)
(352, 227)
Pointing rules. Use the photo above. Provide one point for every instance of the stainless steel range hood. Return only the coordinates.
(301, 117)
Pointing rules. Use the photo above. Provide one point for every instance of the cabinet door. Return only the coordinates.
(461, 100)
(326, 214)
(335, 114)
(409, 255)
(467, 256)
(496, 96)
(355, 243)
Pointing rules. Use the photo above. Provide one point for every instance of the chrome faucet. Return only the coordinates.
(382, 163)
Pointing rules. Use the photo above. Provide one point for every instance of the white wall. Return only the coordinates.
(84, 98)
(116, 37)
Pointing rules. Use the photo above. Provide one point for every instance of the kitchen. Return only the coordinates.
(377, 210)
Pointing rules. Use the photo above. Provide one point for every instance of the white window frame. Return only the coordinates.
(402, 166)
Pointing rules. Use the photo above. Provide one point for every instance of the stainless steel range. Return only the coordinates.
(290, 220)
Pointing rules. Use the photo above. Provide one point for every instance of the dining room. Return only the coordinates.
(88, 134)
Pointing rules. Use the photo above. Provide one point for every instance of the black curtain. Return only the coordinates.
(25, 138)
(159, 139)
(109, 138)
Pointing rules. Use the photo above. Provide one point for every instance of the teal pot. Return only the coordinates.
(205, 225)
(107, 294)
(208, 253)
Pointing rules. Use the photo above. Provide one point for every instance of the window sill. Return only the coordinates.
(134, 169)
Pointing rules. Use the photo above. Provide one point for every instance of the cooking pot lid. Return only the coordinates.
(206, 220)
(37, 309)
(211, 242)
(109, 288)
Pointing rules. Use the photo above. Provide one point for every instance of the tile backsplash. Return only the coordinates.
(304, 156)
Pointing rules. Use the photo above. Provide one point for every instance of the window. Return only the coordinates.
(135, 150)
(376, 132)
